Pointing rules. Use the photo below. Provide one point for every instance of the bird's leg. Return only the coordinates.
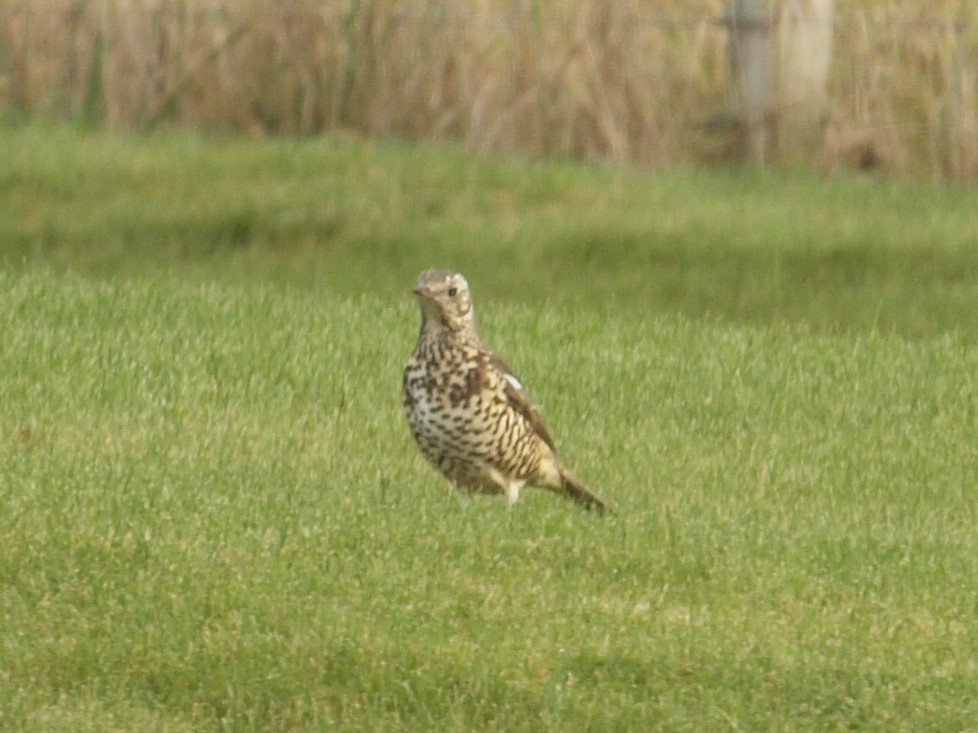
(513, 492)
(511, 487)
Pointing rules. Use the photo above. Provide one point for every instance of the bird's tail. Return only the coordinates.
(572, 488)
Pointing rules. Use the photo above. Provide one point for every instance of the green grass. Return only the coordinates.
(356, 217)
(213, 517)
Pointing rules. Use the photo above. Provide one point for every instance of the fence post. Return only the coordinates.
(779, 61)
(804, 56)
(751, 67)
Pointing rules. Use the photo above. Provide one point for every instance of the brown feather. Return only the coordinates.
(520, 400)
(574, 489)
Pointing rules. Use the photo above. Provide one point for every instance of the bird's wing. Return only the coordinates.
(518, 398)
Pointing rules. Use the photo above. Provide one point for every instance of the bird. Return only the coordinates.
(471, 416)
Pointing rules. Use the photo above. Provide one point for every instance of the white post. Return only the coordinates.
(779, 60)
(752, 66)
(804, 57)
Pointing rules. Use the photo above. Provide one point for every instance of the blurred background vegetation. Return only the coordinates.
(598, 80)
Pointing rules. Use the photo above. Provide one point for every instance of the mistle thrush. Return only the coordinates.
(470, 415)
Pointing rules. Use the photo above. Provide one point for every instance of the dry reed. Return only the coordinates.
(626, 80)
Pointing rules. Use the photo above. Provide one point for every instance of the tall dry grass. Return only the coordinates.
(629, 80)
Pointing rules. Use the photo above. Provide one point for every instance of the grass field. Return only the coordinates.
(213, 517)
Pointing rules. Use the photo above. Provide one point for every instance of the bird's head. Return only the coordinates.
(445, 301)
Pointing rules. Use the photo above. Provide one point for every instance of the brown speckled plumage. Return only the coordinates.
(469, 414)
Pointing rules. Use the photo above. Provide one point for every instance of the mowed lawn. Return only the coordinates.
(212, 515)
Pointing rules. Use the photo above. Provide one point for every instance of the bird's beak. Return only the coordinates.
(421, 290)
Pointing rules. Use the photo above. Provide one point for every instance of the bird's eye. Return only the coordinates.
(452, 292)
